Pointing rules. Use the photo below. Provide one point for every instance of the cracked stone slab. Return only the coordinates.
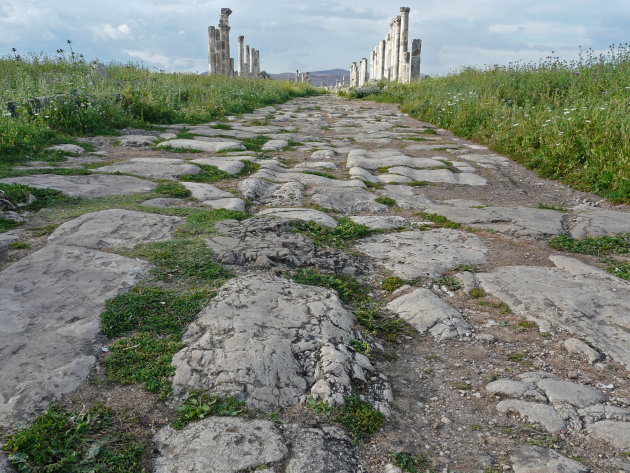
(542, 414)
(203, 191)
(485, 160)
(275, 145)
(50, 302)
(157, 168)
(6, 238)
(428, 254)
(309, 215)
(136, 141)
(228, 203)
(361, 173)
(260, 191)
(614, 432)
(350, 200)
(282, 175)
(379, 222)
(231, 166)
(320, 450)
(207, 131)
(198, 145)
(600, 222)
(67, 148)
(564, 391)
(273, 342)
(388, 158)
(406, 197)
(323, 154)
(163, 202)
(518, 221)
(445, 176)
(573, 296)
(517, 389)
(218, 445)
(533, 459)
(577, 347)
(114, 228)
(265, 243)
(88, 186)
(426, 312)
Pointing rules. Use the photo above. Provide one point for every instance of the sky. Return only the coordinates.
(171, 35)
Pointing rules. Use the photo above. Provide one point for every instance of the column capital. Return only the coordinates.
(405, 9)
(241, 39)
(226, 11)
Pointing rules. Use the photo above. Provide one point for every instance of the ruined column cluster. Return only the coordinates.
(302, 76)
(219, 60)
(391, 59)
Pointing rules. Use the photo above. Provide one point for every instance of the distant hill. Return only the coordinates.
(328, 77)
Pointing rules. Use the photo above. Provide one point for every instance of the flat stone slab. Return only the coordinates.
(515, 389)
(97, 185)
(517, 221)
(542, 414)
(241, 445)
(380, 222)
(309, 215)
(6, 238)
(50, 302)
(564, 391)
(304, 178)
(136, 141)
(445, 176)
(202, 191)
(426, 312)
(572, 296)
(614, 432)
(67, 148)
(350, 200)
(428, 254)
(275, 145)
(5, 466)
(577, 347)
(198, 145)
(207, 131)
(600, 222)
(290, 194)
(272, 342)
(157, 168)
(163, 202)
(114, 228)
(532, 459)
(219, 445)
(364, 175)
(388, 158)
(228, 203)
(324, 154)
(230, 164)
(406, 197)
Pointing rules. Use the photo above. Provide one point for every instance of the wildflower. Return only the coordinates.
(7, 114)
(566, 112)
(516, 124)
(587, 121)
(547, 121)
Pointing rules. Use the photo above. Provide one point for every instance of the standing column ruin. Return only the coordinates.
(416, 48)
(363, 72)
(354, 78)
(396, 49)
(241, 55)
(212, 65)
(224, 28)
(381, 60)
(403, 67)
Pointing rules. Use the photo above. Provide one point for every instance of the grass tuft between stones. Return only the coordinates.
(172, 189)
(603, 245)
(348, 288)
(339, 237)
(59, 441)
(411, 463)
(200, 404)
(439, 220)
(386, 201)
(320, 173)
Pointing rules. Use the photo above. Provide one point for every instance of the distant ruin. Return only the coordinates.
(219, 59)
(391, 59)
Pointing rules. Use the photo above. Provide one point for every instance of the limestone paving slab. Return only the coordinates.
(67, 148)
(96, 185)
(114, 228)
(261, 191)
(157, 168)
(304, 178)
(6, 238)
(348, 200)
(533, 459)
(230, 164)
(198, 145)
(407, 198)
(203, 191)
(136, 141)
(600, 222)
(272, 342)
(426, 312)
(614, 432)
(228, 203)
(572, 296)
(50, 302)
(381, 222)
(275, 145)
(364, 175)
(542, 414)
(445, 176)
(163, 202)
(309, 215)
(426, 254)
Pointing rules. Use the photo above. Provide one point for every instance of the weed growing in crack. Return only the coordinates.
(339, 237)
(348, 288)
(208, 174)
(439, 220)
(391, 283)
(170, 188)
(603, 245)
(450, 282)
(386, 201)
(418, 463)
(200, 404)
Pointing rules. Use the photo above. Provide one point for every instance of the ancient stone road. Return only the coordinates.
(475, 386)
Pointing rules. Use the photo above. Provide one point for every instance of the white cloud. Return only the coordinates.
(169, 63)
(109, 32)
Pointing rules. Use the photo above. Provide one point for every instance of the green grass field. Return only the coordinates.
(567, 120)
(89, 103)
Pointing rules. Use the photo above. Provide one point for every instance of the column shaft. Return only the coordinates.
(416, 48)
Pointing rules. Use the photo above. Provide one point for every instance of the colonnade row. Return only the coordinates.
(391, 59)
(219, 60)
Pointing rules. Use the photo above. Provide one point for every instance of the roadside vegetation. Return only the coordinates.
(89, 100)
(567, 120)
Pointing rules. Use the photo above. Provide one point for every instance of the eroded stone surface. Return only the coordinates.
(308, 215)
(89, 186)
(429, 254)
(322, 450)
(202, 191)
(273, 342)
(303, 177)
(351, 200)
(136, 141)
(600, 222)
(532, 459)
(542, 414)
(157, 168)
(198, 145)
(614, 432)
(406, 198)
(227, 203)
(50, 302)
(274, 145)
(260, 191)
(67, 148)
(426, 312)
(114, 228)
(377, 222)
(163, 202)
(578, 347)
(573, 296)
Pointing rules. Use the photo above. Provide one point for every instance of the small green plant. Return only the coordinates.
(199, 405)
(477, 293)
(464, 267)
(19, 245)
(545, 440)
(320, 173)
(475, 427)
(90, 441)
(411, 463)
(20, 194)
(493, 376)
(439, 220)
(361, 346)
(619, 268)
(359, 417)
(348, 288)
(386, 201)
(6, 224)
(524, 325)
(517, 356)
(172, 189)
(451, 282)
(429, 131)
(602, 245)
(255, 144)
(374, 185)
(201, 222)
(502, 307)
(221, 126)
(339, 237)
(391, 283)
(372, 318)
(249, 168)
(556, 207)
(208, 174)
(462, 386)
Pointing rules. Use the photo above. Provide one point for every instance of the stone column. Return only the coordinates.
(404, 39)
(405, 68)
(388, 58)
(363, 70)
(396, 49)
(416, 47)
(224, 28)
(218, 51)
(241, 55)
(380, 69)
(257, 62)
(297, 76)
(211, 50)
(353, 74)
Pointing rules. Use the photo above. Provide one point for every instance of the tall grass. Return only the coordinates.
(567, 120)
(93, 102)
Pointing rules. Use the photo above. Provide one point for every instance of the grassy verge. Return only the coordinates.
(88, 103)
(565, 120)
